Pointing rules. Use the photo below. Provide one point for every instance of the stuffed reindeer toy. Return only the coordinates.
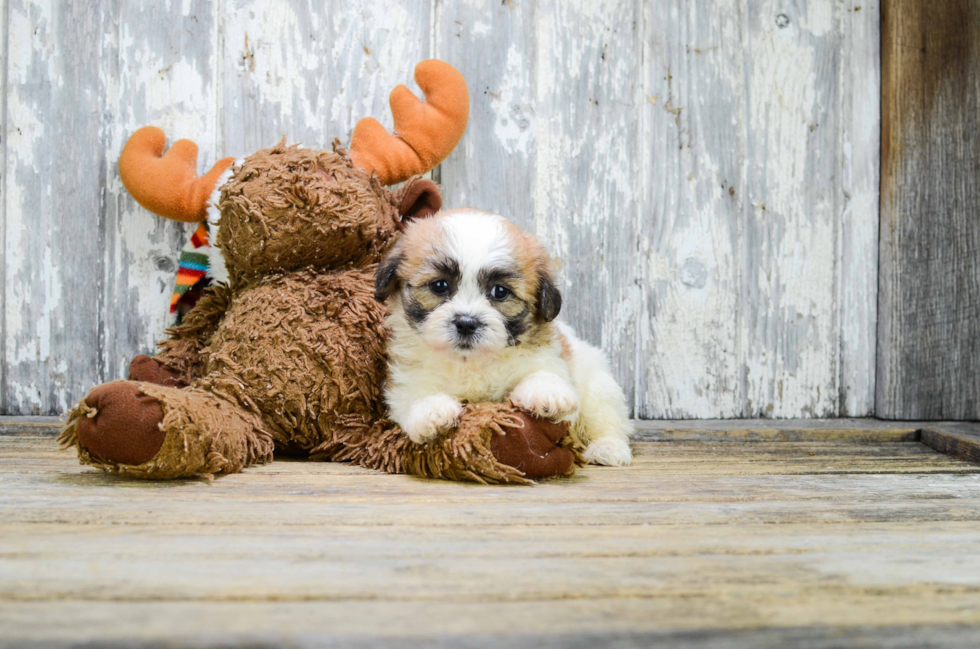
(288, 355)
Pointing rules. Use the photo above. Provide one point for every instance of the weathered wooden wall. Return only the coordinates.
(929, 329)
(706, 172)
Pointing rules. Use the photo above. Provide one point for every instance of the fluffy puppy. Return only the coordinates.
(473, 306)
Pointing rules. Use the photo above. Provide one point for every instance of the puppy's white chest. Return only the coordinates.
(477, 381)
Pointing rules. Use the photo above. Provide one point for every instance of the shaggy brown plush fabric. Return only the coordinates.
(182, 351)
(286, 208)
(202, 436)
(291, 353)
(321, 356)
(463, 455)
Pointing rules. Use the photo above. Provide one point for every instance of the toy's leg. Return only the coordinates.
(152, 431)
(539, 448)
(149, 370)
(493, 443)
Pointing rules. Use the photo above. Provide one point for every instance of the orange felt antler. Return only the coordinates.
(425, 132)
(167, 184)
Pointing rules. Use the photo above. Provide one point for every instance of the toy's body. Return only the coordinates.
(314, 356)
(289, 355)
(296, 337)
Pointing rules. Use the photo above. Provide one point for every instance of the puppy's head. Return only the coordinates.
(469, 282)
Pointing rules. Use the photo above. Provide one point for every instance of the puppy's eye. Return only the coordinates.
(439, 287)
(499, 292)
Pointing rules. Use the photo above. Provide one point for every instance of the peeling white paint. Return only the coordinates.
(310, 72)
(860, 112)
(175, 92)
(27, 397)
(794, 301)
(819, 19)
(515, 124)
(716, 235)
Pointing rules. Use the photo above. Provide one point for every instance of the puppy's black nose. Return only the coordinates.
(466, 325)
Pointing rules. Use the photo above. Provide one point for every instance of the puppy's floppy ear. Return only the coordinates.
(548, 298)
(386, 277)
(418, 199)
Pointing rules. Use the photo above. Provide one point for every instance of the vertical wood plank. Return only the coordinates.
(753, 309)
(4, 23)
(588, 67)
(492, 44)
(860, 150)
(929, 282)
(691, 184)
(159, 66)
(790, 337)
(309, 70)
(54, 233)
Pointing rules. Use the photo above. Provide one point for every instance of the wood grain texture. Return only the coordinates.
(768, 430)
(790, 337)
(55, 178)
(518, 625)
(308, 70)
(494, 46)
(859, 150)
(757, 297)
(3, 203)
(585, 197)
(722, 430)
(705, 173)
(158, 63)
(928, 333)
(30, 425)
(692, 160)
(694, 543)
(957, 439)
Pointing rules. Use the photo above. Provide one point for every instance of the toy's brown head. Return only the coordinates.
(287, 207)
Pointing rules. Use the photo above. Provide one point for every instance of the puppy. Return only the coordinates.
(473, 306)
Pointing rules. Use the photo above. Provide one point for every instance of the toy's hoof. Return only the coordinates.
(124, 427)
(145, 369)
(534, 448)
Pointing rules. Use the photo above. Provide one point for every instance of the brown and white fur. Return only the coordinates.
(473, 307)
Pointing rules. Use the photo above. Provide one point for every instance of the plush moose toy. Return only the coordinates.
(288, 356)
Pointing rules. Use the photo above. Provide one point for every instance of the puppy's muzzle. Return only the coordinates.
(466, 325)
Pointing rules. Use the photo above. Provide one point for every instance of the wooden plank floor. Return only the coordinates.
(867, 538)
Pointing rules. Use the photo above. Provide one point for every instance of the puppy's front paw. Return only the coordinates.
(609, 451)
(546, 395)
(431, 416)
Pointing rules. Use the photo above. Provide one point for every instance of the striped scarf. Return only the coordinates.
(193, 266)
